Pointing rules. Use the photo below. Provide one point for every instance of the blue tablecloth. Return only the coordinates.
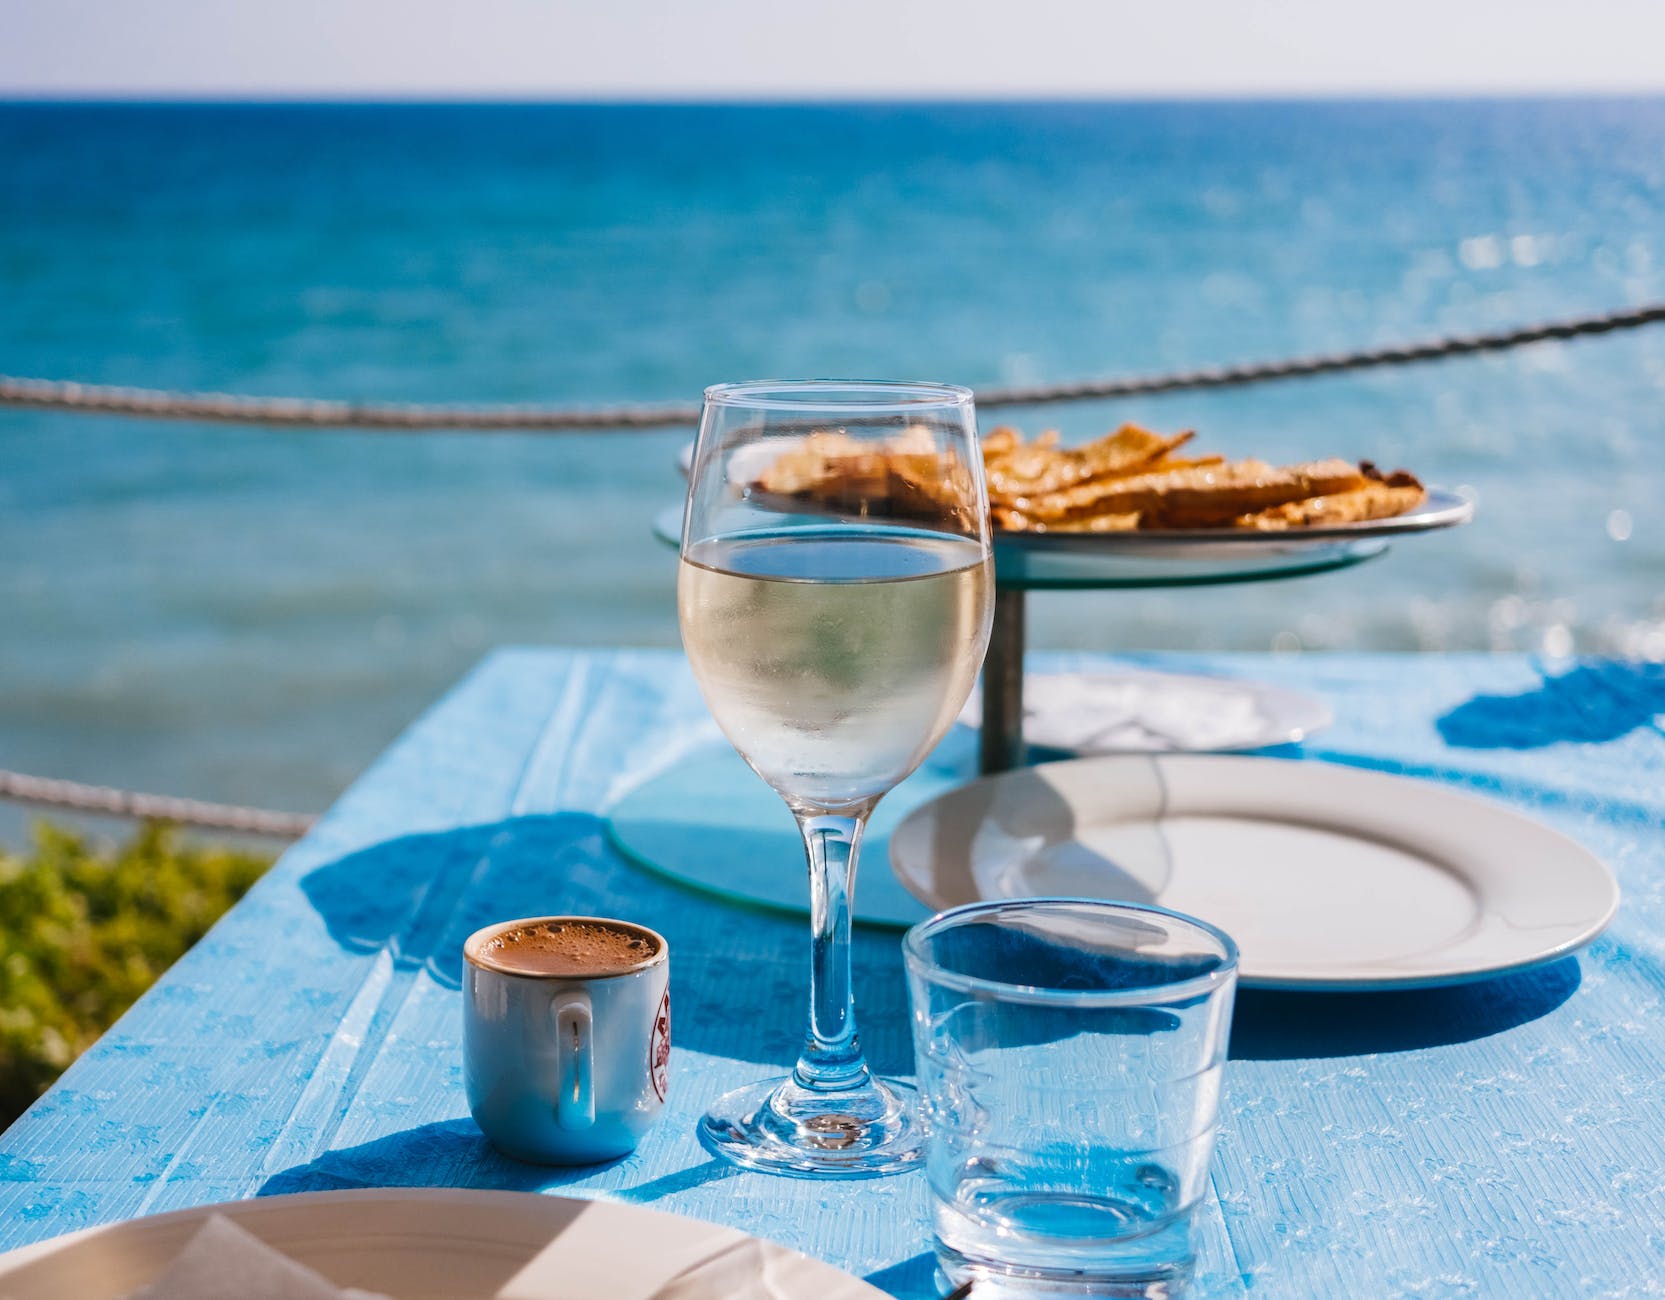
(1502, 1139)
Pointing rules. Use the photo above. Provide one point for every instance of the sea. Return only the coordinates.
(251, 615)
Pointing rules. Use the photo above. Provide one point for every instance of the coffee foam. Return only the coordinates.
(577, 948)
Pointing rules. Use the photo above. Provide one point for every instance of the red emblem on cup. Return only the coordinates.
(659, 1048)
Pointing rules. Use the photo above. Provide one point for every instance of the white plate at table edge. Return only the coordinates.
(524, 1245)
(1442, 508)
(1430, 851)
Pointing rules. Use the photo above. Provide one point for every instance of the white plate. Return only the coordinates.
(1134, 712)
(1441, 508)
(1328, 877)
(431, 1244)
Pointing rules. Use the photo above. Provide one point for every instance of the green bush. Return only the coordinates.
(85, 930)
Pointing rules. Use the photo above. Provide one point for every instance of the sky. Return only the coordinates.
(806, 49)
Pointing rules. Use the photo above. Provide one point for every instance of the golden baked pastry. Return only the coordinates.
(1128, 480)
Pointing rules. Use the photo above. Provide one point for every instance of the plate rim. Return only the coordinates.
(1442, 508)
(486, 1198)
(1247, 978)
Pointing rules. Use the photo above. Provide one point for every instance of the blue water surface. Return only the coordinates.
(242, 614)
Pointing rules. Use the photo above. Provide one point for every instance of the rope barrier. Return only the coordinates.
(304, 413)
(300, 413)
(1454, 345)
(125, 803)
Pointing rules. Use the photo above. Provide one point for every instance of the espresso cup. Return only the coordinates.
(566, 1036)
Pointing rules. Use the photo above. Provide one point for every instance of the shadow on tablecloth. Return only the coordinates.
(449, 1153)
(1592, 703)
(454, 1153)
(738, 977)
(1270, 1025)
(420, 896)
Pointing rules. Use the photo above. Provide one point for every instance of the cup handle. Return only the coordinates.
(574, 1096)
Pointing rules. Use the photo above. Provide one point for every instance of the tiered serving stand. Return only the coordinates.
(1025, 562)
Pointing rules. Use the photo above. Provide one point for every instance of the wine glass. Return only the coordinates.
(835, 595)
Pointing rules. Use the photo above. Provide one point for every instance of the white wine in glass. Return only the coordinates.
(835, 632)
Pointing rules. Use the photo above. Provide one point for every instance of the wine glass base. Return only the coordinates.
(777, 1127)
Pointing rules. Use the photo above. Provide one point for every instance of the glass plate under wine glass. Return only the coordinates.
(834, 648)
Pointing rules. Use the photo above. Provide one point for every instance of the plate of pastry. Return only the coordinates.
(1131, 490)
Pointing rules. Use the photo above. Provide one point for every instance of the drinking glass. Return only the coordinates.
(1070, 1055)
(835, 595)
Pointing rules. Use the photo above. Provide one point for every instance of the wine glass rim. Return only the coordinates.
(919, 960)
(871, 395)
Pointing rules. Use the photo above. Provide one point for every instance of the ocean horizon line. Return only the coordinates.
(92, 98)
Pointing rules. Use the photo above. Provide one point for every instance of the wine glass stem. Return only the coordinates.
(831, 1060)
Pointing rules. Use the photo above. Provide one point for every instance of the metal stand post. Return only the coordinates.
(1002, 739)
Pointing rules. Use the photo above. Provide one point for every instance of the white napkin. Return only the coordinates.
(754, 1270)
(685, 1260)
(224, 1260)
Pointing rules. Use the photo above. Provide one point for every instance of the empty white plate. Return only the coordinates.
(1328, 877)
(1132, 711)
(444, 1244)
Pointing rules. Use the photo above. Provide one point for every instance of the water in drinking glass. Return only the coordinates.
(1070, 1058)
(833, 660)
